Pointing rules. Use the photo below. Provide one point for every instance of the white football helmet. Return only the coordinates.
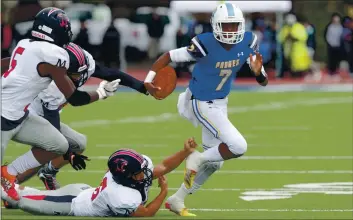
(228, 13)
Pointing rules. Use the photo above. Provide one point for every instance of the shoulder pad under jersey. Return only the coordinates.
(54, 55)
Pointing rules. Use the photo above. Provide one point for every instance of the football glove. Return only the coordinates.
(77, 161)
(107, 89)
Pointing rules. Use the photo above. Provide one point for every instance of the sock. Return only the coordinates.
(201, 177)
(212, 155)
(182, 192)
(52, 168)
(23, 163)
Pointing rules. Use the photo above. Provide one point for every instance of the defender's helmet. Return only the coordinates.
(228, 23)
(125, 163)
(79, 64)
(52, 25)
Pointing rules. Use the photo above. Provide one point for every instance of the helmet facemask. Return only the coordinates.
(228, 32)
(146, 181)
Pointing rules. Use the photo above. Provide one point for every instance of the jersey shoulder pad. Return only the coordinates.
(54, 55)
(197, 48)
(254, 43)
(124, 201)
(91, 62)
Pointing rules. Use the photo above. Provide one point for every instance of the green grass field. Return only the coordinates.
(293, 138)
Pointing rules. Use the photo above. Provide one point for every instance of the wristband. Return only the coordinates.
(150, 76)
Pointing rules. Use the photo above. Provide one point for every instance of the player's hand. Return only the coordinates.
(152, 89)
(77, 161)
(256, 64)
(163, 183)
(107, 89)
(190, 145)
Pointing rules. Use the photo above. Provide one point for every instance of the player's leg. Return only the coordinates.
(49, 142)
(213, 116)
(50, 202)
(175, 203)
(77, 143)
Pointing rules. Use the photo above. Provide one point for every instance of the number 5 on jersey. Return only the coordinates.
(99, 189)
(13, 62)
(225, 73)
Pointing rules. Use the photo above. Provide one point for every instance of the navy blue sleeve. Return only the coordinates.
(53, 116)
(197, 49)
(111, 74)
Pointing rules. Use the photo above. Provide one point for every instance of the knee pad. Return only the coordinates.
(238, 146)
(62, 146)
(82, 142)
(79, 143)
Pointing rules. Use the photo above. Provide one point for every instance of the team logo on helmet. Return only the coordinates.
(120, 165)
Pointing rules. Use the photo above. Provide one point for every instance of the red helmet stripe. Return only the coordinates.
(80, 52)
(76, 53)
(138, 157)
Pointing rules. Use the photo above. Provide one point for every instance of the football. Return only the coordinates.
(166, 79)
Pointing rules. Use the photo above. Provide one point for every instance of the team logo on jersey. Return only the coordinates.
(227, 64)
(120, 165)
(240, 54)
(191, 48)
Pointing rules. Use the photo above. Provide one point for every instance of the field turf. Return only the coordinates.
(293, 138)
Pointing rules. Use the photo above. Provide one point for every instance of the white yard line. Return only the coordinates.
(165, 117)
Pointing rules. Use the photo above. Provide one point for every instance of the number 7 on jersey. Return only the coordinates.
(225, 73)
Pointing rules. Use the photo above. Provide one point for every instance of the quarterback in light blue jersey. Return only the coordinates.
(219, 56)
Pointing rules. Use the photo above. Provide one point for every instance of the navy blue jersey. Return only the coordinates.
(216, 67)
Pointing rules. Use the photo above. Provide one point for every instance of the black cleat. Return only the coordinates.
(48, 177)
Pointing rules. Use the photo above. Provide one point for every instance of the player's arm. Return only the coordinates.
(152, 208)
(111, 74)
(66, 86)
(172, 162)
(5, 63)
(195, 51)
(255, 63)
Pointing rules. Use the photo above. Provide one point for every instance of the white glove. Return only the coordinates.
(107, 89)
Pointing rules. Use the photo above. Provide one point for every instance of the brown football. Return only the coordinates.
(166, 79)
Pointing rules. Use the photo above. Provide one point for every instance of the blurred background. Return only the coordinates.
(305, 41)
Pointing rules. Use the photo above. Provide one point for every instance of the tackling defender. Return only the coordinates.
(123, 191)
(49, 103)
(219, 56)
(34, 64)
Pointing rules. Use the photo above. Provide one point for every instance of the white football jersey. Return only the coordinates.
(51, 97)
(109, 199)
(22, 82)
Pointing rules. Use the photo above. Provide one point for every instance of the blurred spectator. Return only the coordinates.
(347, 41)
(264, 38)
(311, 44)
(201, 24)
(6, 37)
(82, 37)
(155, 27)
(332, 34)
(110, 48)
(25, 10)
(293, 37)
